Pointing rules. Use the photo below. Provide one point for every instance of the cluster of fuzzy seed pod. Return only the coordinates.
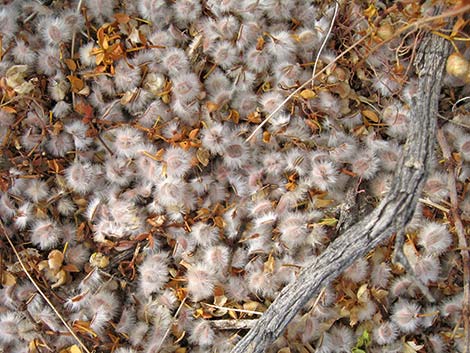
(124, 133)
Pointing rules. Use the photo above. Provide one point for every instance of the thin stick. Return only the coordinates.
(433, 204)
(168, 329)
(233, 309)
(40, 290)
(459, 229)
(324, 43)
(72, 50)
(245, 324)
(297, 90)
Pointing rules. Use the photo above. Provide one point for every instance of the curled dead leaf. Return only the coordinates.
(56, 259)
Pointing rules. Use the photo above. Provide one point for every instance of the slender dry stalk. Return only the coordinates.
(459, 229)
(245, 324)
(72, 50)
(234, 309)
(25, 270)
(324, 43)
(169, 327)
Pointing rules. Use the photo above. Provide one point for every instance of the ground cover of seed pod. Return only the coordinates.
(168, 167)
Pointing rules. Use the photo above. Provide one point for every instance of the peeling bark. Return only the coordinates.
(391, 215)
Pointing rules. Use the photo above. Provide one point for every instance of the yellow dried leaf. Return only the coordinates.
(363, 293)
(371, 11)
(37, 343)
(220, 300)
(166, 98)
(203, 156)
(75, 349)
(219, 222)
(185, 145)
(44, 264)
(55, 260)
(266, 137)
(412, 347)
(233, 314)
(193, 133)
(70, 64)
(308, 94)
(251, 306)
(61, 277)
(8, 279)
(260, 43)
(99, 260)
(212, 107)
(127, 97)
(99, 58)
(9, 109)
(254, 117)
(371, 115)
(328, 221)
(77, 83)
(379, 294)
(320, 203)
(353, 316)
(269, 264)
(284, 350)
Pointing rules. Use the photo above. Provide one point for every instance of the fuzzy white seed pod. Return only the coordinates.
(225, 54)
(380, 275)
(270, 101)
(128, 141)
(37, 190)
(126, 78)
(200, 282)
(235, 154)
(81, 177)
(45, 234)
(186, 87)
(23, 54)
(86, 58)
(202, 334)
(55, 31)
(9, 326)
(366, 165)
(177, 161)
(386, 333)
(357, 272)
(324, 175)
(405, 315)
(435, 238)
(427, 268)
(186, 11)
(175, 61)
(463, 145)
(101, 10)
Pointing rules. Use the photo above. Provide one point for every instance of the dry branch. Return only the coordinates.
(392, 214)
(244, 324)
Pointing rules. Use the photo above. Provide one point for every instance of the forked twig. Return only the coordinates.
(25, 270)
